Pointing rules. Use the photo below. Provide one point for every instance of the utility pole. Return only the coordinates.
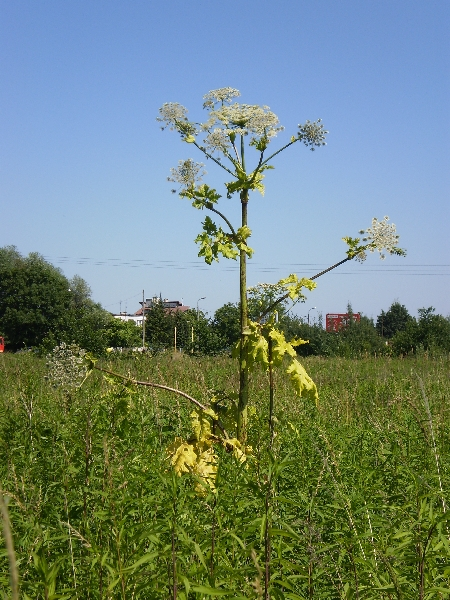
(204, 297)
(313, 308)
(143, 320)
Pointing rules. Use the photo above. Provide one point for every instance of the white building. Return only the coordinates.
(168, 305)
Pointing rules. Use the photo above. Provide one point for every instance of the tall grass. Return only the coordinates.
(355, 490)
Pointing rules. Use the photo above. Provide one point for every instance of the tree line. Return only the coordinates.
(395, 332)
(40, 307)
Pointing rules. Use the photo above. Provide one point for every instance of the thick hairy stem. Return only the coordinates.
(271, 393)
(243, 362)
(213, 540)
(174, 553)
(267, 538)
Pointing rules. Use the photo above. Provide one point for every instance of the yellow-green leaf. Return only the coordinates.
(303, 384)
(182, 456)
(201, 425)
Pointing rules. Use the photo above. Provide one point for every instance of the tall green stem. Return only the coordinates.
(243, 362)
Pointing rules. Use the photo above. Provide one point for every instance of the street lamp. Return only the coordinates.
(204, 298)
(313, 308)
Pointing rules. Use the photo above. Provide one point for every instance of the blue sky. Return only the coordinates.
(84, 163)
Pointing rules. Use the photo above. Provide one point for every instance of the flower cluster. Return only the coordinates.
(187, 173)
(221, 95)
(66, 366)
(312, 134)
(244, 119)
(381, 236)
(172, 113)
(217, 140)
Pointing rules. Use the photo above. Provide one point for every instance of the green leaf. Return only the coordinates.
(203, 589)
(144, 559)
(214, 241)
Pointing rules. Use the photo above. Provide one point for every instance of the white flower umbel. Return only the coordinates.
(244, 119)
(382, 236)
(222, 95)
(66, 366)
(217, 141)
(187, 173)
(172, 113)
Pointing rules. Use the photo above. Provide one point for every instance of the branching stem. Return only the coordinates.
(214, 159)
(278, 152)
(161, 387)
(285, 296)
(209, 206)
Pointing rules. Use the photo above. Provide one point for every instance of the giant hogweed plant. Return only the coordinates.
(224, 138)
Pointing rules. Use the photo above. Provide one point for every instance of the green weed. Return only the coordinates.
(353, 498)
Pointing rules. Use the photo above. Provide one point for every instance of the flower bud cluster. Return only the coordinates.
(312, 133)
(66, 366)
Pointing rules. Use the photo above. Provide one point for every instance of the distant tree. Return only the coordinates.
(356, 339)
(34, 299)
(360, 338)
(122, 334)
(195, 333)
(395, 319)
(40, 307)
(434, 330)
(158, 328)
(226, 324)
(320, 342)
(430, 332)
(80, 292)
(206, 338)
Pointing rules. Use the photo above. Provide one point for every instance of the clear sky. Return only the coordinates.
(84, 164)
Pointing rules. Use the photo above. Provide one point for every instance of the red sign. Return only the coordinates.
(2, 344)
(337, 321)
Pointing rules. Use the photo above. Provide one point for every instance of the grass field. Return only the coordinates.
(353, 501)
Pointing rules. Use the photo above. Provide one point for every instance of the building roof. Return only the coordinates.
(170, 306)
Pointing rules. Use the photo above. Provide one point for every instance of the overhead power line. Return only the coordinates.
(306, 268)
